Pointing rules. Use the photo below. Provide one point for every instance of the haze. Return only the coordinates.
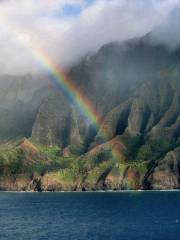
(66, 30)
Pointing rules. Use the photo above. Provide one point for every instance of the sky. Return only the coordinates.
(66, 30)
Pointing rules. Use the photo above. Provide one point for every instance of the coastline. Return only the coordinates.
(98, 191)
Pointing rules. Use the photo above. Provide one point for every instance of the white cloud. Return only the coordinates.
(65, 38)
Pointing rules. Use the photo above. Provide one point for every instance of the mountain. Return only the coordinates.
(47, 143)
(20, 97)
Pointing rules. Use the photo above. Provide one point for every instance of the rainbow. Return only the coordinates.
(58, 76)
(60, 79)
(63, 82)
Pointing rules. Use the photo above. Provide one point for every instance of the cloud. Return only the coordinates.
(26, 26)
(168, 32)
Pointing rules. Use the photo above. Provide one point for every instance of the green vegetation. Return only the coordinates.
(154, 149)
(11, 161)
(77, 149)
(100, 158)
(132, 145)
(24, 160)
(50, 152)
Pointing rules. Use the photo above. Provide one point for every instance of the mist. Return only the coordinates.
(66, 30)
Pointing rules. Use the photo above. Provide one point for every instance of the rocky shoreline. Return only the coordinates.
(41, 185)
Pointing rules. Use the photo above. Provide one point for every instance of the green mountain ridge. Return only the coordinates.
(48, 144)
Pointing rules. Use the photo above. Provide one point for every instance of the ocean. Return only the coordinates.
(90, 215)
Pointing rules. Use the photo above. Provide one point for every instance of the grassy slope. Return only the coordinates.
(24, 160)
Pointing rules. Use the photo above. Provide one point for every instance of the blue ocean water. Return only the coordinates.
(90, 216)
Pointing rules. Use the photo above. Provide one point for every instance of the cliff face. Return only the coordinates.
(167, 173)
(20, 98)
(135, 88)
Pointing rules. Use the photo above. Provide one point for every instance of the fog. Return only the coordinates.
(30, 28)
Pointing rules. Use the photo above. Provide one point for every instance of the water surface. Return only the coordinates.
(90, 216)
